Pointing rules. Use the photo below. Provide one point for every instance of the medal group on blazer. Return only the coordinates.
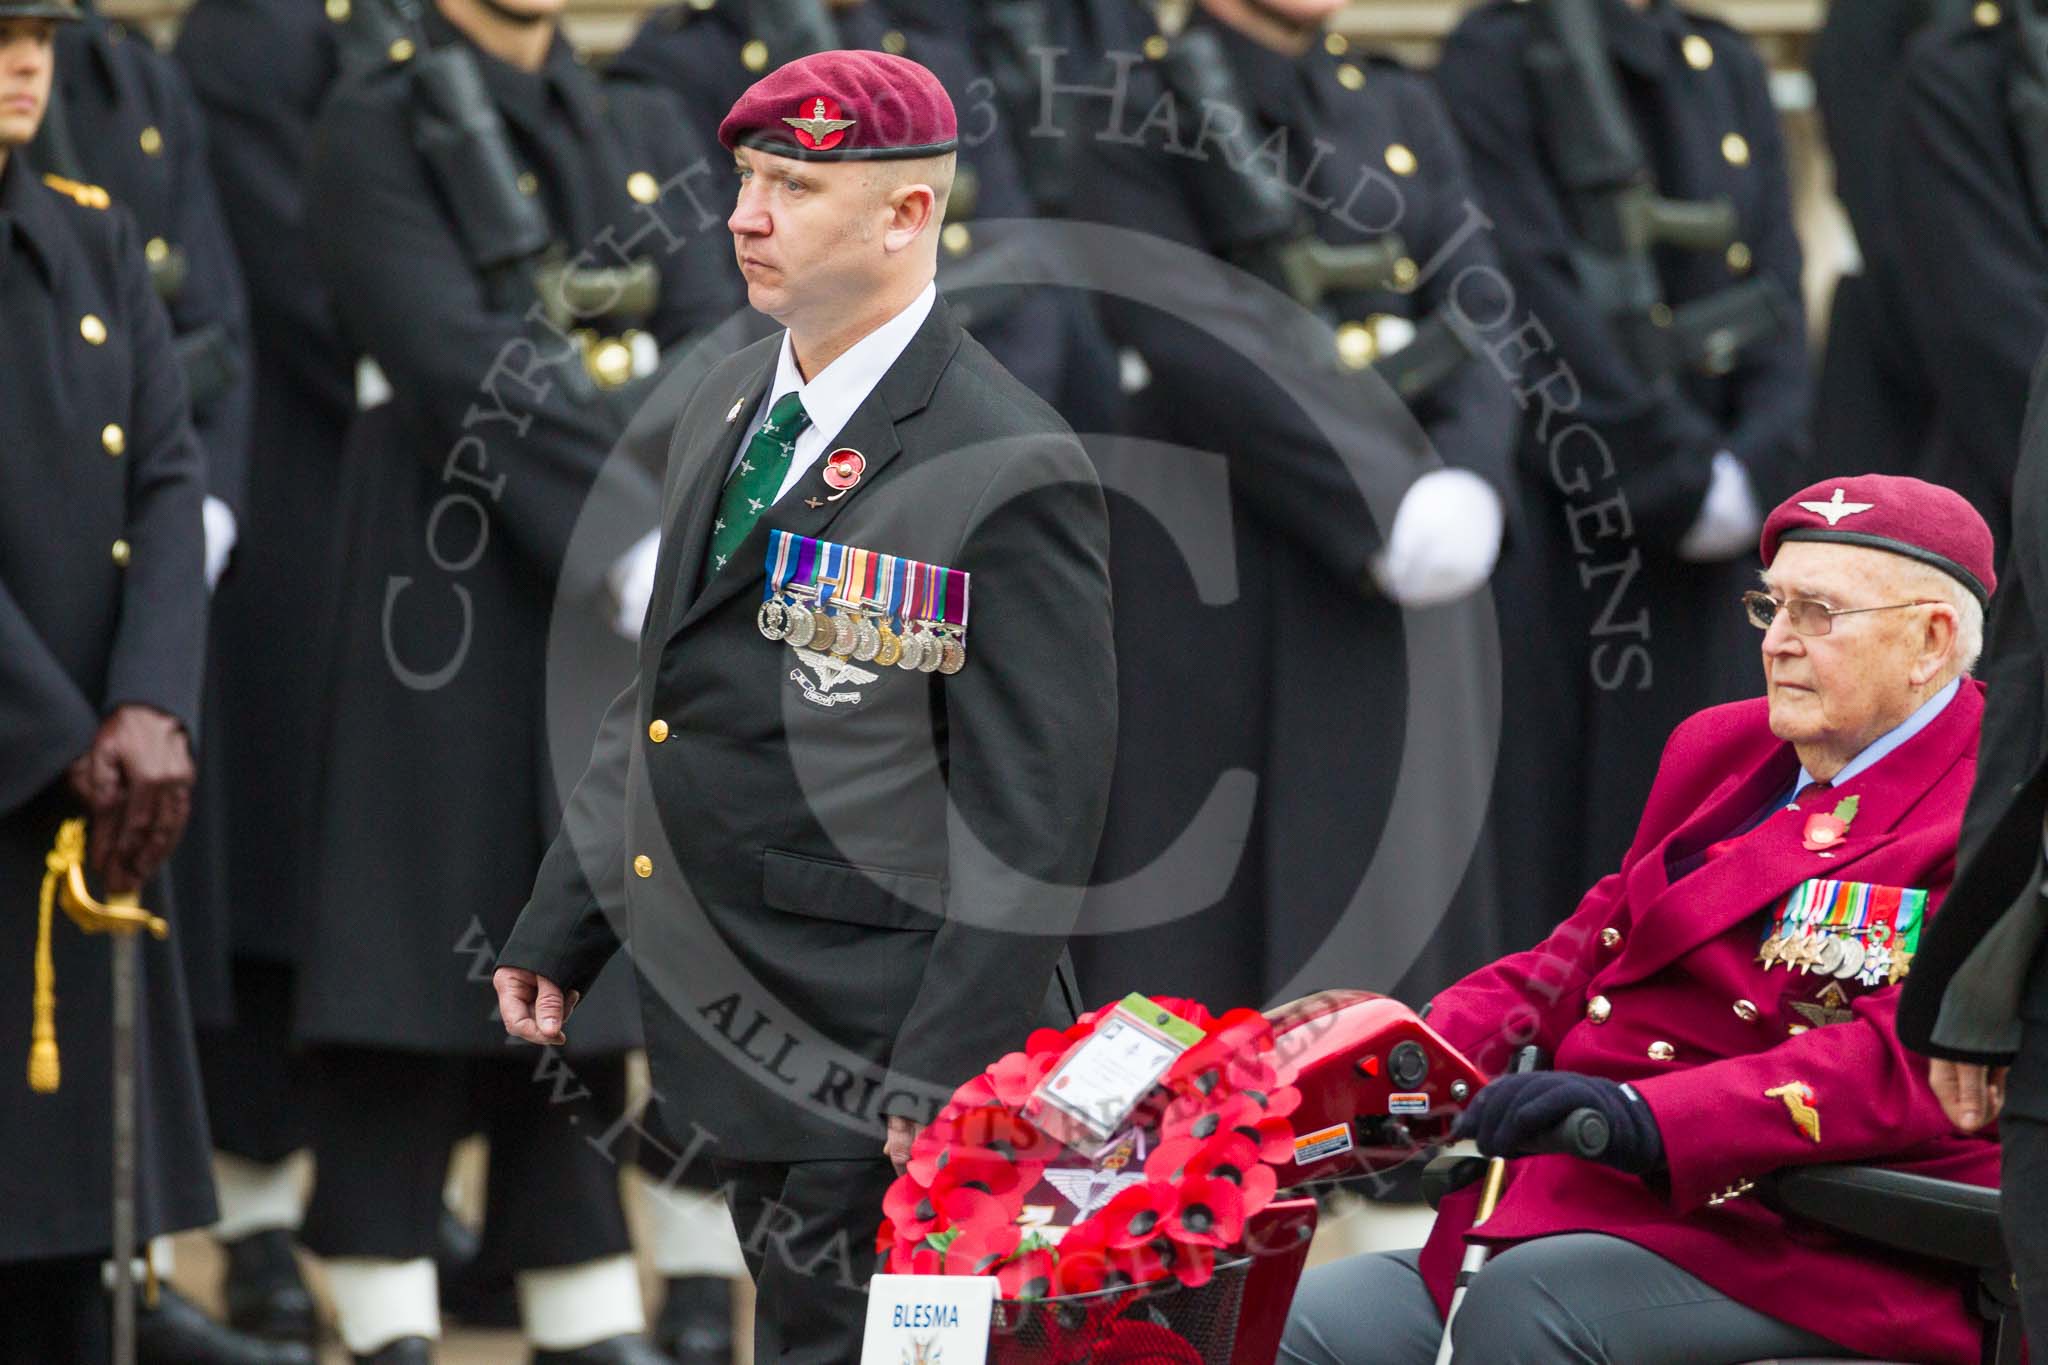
(1846, 930)
(859, 605)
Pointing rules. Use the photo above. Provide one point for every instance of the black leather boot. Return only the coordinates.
(626, 1350)
(404, 1351)
(266, 1295)
(695, 1326)
(175, 1332)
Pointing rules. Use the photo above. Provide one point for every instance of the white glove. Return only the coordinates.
(1445, 540)
(1728, 520)
(221, 533)
(632, 583)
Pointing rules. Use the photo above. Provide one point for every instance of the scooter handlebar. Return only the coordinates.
(1582, 1133)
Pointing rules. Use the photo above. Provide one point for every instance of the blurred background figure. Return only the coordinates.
(1665, 394)
(1969, 159)
(1263, 681)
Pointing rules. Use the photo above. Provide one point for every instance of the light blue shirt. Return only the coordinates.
(1889, 740)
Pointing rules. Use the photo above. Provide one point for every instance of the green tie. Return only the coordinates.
(756, 479)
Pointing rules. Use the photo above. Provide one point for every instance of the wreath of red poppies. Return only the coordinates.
(1217, 1126)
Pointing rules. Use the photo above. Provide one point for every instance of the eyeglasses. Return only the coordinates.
(1807, 616)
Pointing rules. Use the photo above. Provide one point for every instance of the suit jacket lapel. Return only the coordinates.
(1772, 859)
(812, 505)
(699, 482)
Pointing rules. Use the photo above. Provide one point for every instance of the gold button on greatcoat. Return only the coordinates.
(1357, 346)
(338, 11)
(894, 43)
(644, 188)
(956, 239)
(400, 50)
(1155, 47)
(113, 438)
(120, 553)
(152, 141)
(1400, 160)
(1597, 1009)
(1735, 147)
(754, 56)
(528, 183)
(92, 329)
(1351, 76)
(1662, 1052)
(1405, 271)
(156, 251)
(1699, 53)
(1739, 257)
(1746, 1011)
(644, 865)
(1986, 14)
(1610, 937)
(658, 731)
(1336, 44)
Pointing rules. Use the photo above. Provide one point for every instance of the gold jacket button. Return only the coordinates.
(1610, 937)
(644, 865)
(93, 330)
(644, 188)
(1597, 1009)
(1351, 76)
(894, 43)
(338, 11)
(113, 438)
(1336, 44)
(120, 553)
(1746, 1011)
(151, 140)
(401, 50)
(1155, 48)
(956, 238)
(1400, 160)
(754, 56)
(1735, 147)
(1739, 257)
(1699, 53)
(1662, 1052)
(1986, 14)
(1357, 345)
(658, 731)
(528, 184)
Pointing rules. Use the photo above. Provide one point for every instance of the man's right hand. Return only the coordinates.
(533, 1007)
(1971, 1094)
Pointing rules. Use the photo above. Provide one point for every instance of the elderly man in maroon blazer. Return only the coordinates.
(1726, 999)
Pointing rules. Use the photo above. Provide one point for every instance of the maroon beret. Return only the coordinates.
(844, 106)
(1909, 517)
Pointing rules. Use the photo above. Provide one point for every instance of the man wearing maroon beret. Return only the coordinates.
(1726, 999)
(847, 855)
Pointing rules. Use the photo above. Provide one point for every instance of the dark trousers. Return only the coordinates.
(54, 1313)
(1573, 1299)
(807, 1229)
(384, 1123)
(255, 1093)
(2023, 1208)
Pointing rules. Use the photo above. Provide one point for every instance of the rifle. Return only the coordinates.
(1619, 218)
(1261, 229)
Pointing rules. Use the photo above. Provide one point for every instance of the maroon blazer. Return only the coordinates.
(1655, 981)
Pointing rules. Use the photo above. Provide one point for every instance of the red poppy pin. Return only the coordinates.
(819, 128)
(1824, 832)
(843, 468)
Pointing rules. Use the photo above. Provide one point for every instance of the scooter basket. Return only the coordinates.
(1162, 1323)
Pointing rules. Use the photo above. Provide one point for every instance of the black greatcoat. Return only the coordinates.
(848, 906)
(1610, 638)
(1978, 249)
(80, 634)
(1263, 729)
(1873, 409)
(135, 129)
(459, 500)
(261, 69)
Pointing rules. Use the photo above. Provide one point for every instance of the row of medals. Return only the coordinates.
(1835, 955)
(849, 634)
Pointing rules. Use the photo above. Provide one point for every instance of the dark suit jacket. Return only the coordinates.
(854, 889)
(1968, 992)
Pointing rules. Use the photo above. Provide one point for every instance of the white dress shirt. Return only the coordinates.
(837, 390)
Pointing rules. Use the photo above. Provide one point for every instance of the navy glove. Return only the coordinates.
(1512, 1110)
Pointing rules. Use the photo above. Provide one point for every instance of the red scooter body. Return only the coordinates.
(1377, 1084)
